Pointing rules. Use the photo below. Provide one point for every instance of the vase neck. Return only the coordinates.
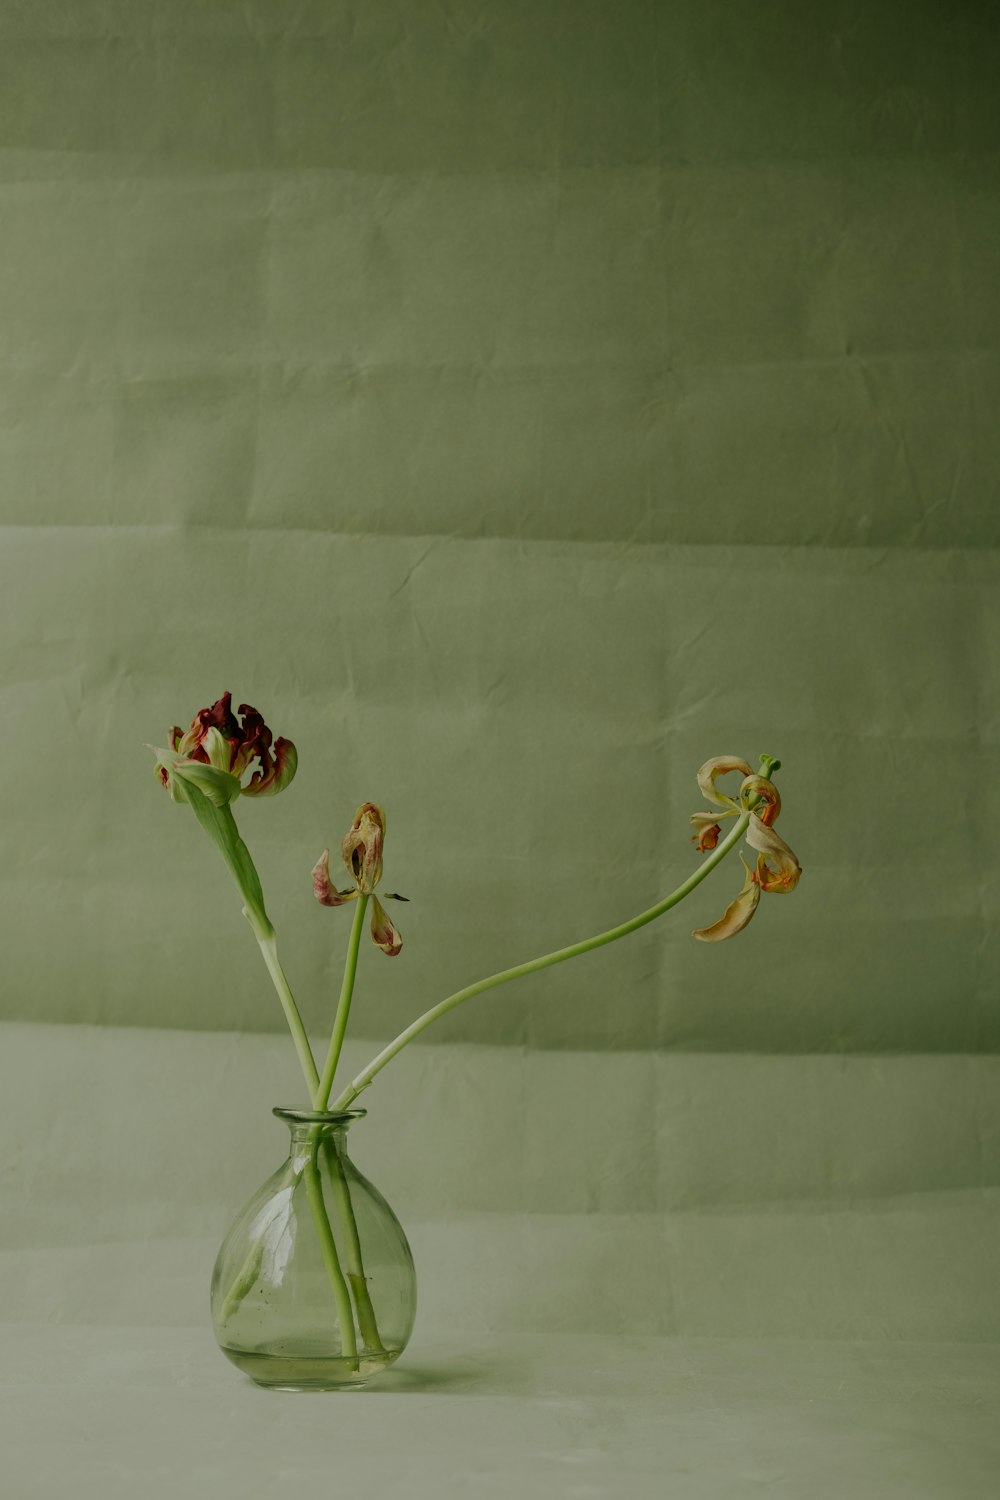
(307, 1127)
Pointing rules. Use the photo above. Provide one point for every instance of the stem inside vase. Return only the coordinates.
(274, 1263)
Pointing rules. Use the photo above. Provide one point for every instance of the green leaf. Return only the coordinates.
(220, 825)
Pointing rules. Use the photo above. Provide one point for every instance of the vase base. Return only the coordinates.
(278, 1369)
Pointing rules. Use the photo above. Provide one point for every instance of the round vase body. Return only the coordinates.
(314, 1287)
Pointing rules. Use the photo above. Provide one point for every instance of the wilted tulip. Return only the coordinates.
(215, 753)
(362, 854)
(777, 868)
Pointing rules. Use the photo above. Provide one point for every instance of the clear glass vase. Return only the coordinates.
(314, 1287)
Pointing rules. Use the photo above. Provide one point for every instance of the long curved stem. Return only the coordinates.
(396, 1046)
(322, 1086)
(264, 933)
(220, 825)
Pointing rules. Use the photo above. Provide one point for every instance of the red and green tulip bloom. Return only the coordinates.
(217, 750)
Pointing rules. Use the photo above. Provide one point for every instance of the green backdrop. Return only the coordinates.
(519, 404)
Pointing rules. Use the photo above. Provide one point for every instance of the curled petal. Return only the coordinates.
(216, 750)
(189, 742)
(736, 915)
(164, 760)
(777, 867)
(707, 831)
(767, 805)
(276, 771)
(221, 717)
(362, 846)
(255, 741)
(707, 828)
(718, 766)
(384, 935)
(323, 887)
(286, 762)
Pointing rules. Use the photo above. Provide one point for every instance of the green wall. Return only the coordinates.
(519, 403)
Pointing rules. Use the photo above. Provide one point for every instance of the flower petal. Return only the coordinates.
(719, 766)
(221, 717)
(216, 749)
(384, 935)
(323, 888)
(707, 828)
(218, 786)
(736, 915)
(777, 868)
(708, 832)
(362, 846)
(255, 741)
(768, 799)
(164, 761)
(277, 770)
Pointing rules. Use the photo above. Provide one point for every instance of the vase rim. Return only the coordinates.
(318, 1116)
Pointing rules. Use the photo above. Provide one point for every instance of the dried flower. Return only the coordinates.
(777, 868)
(217, 750)
(362, 854)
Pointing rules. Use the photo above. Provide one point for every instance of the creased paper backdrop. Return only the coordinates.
(518, 404)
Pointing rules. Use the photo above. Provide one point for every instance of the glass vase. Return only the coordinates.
(314, 1286)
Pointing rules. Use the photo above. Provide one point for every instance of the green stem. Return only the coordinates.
(220, 825)
(264, 933)
(322, 1086)
(328, 1247)
(707, 865)
(352, 1249)
(250, 1270)
(341, 1192)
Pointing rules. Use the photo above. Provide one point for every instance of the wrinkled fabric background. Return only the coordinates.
(519, 404)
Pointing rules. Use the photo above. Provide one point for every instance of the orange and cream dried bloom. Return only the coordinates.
(777, 870)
